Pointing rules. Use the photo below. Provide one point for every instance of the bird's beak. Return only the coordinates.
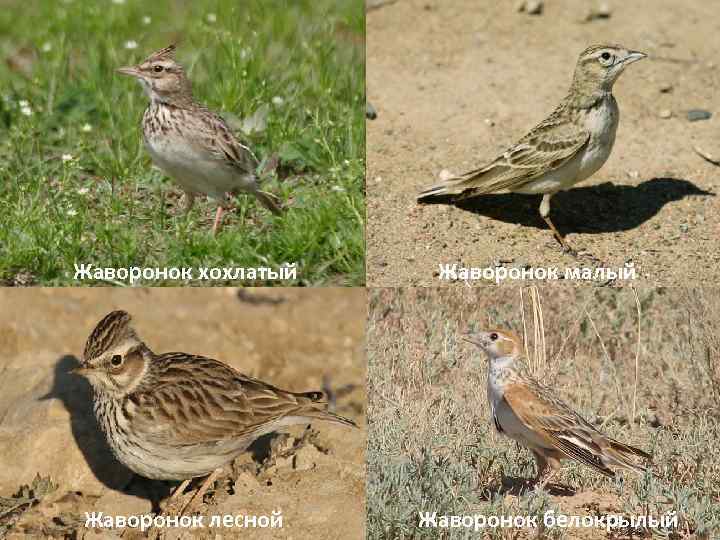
(80, 370)
(634, 56)
(133, 71)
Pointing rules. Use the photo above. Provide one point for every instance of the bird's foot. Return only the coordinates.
(566, 248)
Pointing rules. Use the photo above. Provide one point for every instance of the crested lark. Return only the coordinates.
(192, 144)
(177, 416)
(535, 417)
(567, 147)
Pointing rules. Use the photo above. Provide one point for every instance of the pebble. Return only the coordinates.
(698, 114)
(370, 111)
(531, 7)
(666, 113)
(601, 12)
(666, 88)
(445, 175)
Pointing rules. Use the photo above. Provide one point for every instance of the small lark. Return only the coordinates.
(567, 147)
(533, 415)
(192, 144)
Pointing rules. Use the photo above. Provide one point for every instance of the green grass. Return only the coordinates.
(431, 444)
(300, 61)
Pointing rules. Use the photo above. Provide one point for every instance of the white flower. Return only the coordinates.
(25, 107)
(131, 44)
(211, 17)
(118, 2)
(86, 128)
(71, 212)
(46, 47)
(337, 188)
(66, 157)
(278, 101)
(146, 20)
(83, 191)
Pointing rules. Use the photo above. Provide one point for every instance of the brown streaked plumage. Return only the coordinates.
(176, 416)
(533, 415)
(567, 147)
(192, 144)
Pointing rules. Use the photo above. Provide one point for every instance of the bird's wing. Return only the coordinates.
(553, 421)
(547, 147)
(198, 400)
(225, 146)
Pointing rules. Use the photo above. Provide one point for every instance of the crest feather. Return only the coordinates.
(168, 52)
(111, 330)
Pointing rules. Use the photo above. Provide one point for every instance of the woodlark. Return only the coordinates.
(192, 144)
(567, 147)
(535, 417)
(178, 416)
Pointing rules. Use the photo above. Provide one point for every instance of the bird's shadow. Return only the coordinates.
(76, 395)
(512, 485)
(604, 208)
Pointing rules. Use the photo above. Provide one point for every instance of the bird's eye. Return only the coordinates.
(116, 360)
(605, 56)
(157, 69)
(493, 336)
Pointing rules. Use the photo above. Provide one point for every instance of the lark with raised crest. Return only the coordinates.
(567, 147)
(178, 416)
(533, 415)
(192, 144)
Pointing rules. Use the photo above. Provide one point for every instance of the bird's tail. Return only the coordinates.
(448, 187)
(626, 456)
(477, 182)
(269, 201)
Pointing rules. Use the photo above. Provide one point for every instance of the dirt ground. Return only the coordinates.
(297, 339)
(455, 82)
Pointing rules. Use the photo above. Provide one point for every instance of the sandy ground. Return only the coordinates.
(455, 82)
(297, 339)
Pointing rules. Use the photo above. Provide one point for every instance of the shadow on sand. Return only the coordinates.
(590, 210)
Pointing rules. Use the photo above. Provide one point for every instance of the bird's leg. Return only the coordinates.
(226, 204)
(179, 491)
(547, 467)
(188, 201)
(218, 215)
(168, 507)
(545, 214)
(200, 492)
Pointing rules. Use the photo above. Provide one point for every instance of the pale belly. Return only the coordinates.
(509, 423)
(515, 429)
(602, 125)
(196, 171)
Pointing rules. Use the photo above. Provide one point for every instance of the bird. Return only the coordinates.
(179, 416)
(569, 146)
(189, 142)
(532, 414)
